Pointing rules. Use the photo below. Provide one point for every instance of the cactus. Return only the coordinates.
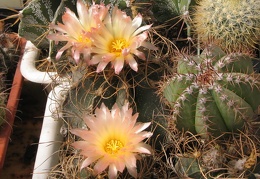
(208, 94)
(95, 89)
(212, 93)
(231, 157)
(36, 17)
(233, 24)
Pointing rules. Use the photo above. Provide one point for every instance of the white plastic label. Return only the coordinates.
(12, 4)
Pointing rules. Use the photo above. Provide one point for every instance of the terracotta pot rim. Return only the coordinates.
(11, 108)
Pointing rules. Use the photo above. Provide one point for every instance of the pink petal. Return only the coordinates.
(139, 54)
(120, 165)
(60, 52)
(137, 138)
(141, 29)
(101, 66)
(79, 144)
(89, 120)
(82, 12)
(95, 59)
(76, 56)
(125, 51)
(80, 132)
(87, 54)
(130, 160)
(140, 127)
(112, 172)
(132, 171)
(149, 45)
(101, 165)
(71, 23)
(137, 21)
(140, 38)
(131, 165)
(57, 37)
(125, 108)
(132, 63)
(102, 114)
(133, 121)
(88, 161)
(108, 57)
(114, 110)
(119, 64)
(59, 27)
(143, 148)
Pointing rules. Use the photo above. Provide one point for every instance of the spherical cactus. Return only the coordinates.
(233, 24)
(212, 93)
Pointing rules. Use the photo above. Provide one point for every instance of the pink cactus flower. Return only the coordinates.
(118, 41)
(76, 30)
(114, 140)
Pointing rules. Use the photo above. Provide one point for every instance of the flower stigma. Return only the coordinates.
(113, 146)
(117, 46)
(83, 39)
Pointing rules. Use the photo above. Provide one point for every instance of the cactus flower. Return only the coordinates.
(76, 30)
(113, 140)
(118, 41)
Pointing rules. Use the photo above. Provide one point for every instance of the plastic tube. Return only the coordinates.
(28, 69)
(50, 139)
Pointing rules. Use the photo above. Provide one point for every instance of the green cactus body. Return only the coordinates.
(213, 93)
(36, 18)
(85, 97)
(233, 24)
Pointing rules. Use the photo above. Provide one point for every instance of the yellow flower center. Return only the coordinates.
(113, 146)
(83, 39)
(117, 46)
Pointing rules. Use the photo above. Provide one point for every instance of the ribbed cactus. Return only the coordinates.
(212, 93)
(233, 24)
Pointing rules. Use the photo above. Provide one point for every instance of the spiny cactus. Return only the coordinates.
(212, 93)
(231, 157)
(95, 89)
(233, 24)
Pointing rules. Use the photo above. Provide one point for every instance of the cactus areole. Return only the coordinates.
(212, 93)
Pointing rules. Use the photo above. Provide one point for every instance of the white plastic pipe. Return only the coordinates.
(50, 138)
(28, 69)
